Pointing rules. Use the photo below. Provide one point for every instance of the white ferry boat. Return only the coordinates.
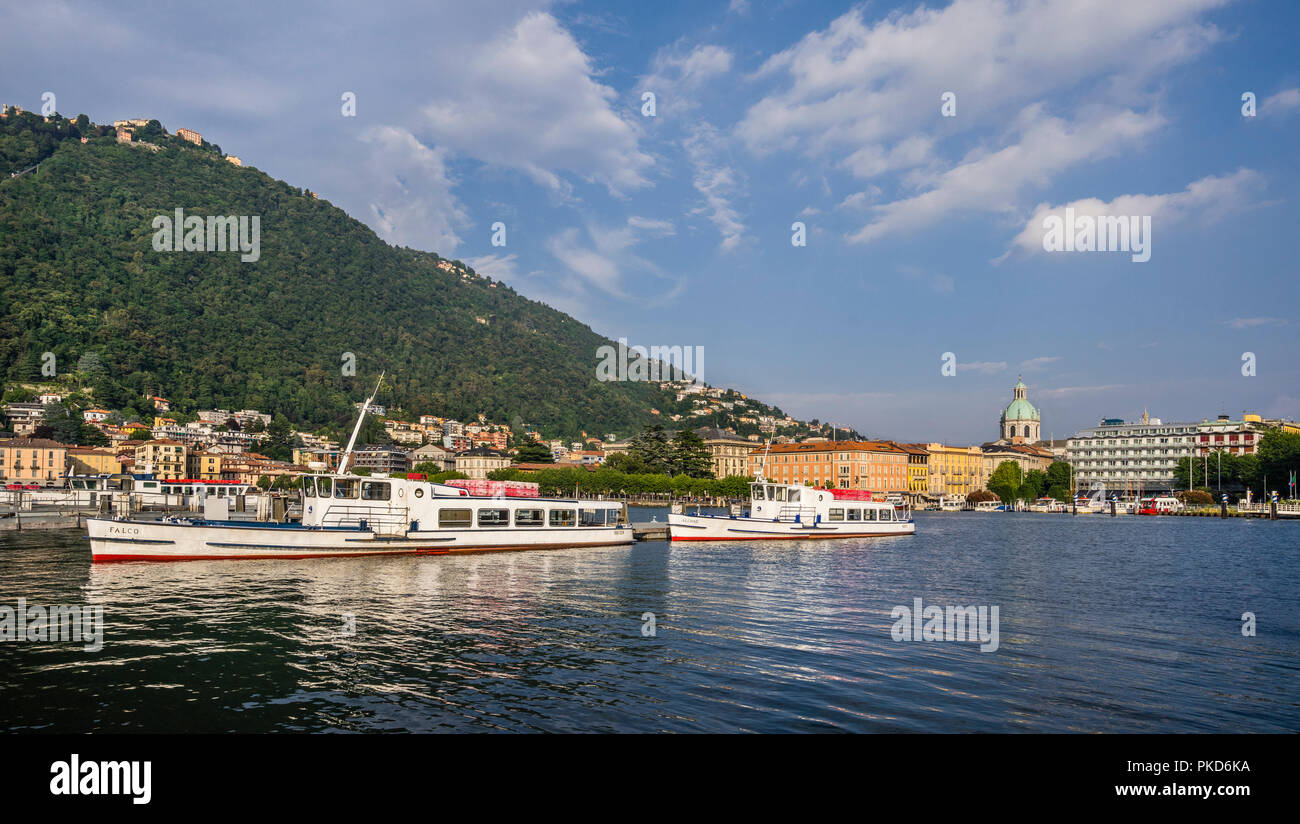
(792, 511)
(347, 515)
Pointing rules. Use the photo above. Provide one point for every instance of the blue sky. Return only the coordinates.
(923, 231)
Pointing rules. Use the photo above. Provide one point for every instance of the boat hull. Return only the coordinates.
(114, 540)
(726, 528)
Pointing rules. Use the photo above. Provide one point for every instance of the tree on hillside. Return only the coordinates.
(534, 452)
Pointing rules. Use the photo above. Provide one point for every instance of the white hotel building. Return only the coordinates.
(1130, 457)
(1140, 457)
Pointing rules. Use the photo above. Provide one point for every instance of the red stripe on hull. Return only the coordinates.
(798, 537)
(116, 558)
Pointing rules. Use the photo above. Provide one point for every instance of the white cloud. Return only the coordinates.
(1064, 391)
(987, 181)
(412, 202)
(1251, 323)
(660, 228)
(1209, 198)
(605, 259)
(718, 181)
(528, 101)
(497, 267)
(862, 85)
(982, 367)
(1284, 100)
(1037, 363)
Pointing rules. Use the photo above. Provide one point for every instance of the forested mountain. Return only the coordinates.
(81, 279)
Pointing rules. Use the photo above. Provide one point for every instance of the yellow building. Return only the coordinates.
(918, 470)
(729, 452)
(1029, 458)
(203, 466)
(33, 461)
(164, 458)
(955, 471)
(478, 462)
(878, 466)
(89, 460)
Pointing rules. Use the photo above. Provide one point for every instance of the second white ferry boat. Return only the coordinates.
(793, 511)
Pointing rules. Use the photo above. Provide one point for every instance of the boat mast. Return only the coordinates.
(347, 454)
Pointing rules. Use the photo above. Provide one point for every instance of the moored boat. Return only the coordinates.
(347, 515)
(792, 511)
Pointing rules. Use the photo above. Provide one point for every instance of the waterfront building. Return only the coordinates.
(33, 461)
(478, 462)
(1131, 458)
(955, 471)
(877, 466)
(1238, 437)
(728, 452)
(204, 466)
(1029, 457)
(918, 471)
(90, 460)
(165, 458)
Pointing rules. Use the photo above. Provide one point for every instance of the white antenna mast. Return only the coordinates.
(347, 454)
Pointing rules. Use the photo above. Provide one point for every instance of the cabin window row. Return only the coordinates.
(853, 513)
(347, 488)
(456, 518)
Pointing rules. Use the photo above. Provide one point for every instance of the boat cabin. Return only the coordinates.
(806, 504)
(395, 505)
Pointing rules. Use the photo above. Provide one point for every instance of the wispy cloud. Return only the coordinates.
(1038, 363)
(1064, 391)
(1283, 101)
(982, 367)
(1251, 323)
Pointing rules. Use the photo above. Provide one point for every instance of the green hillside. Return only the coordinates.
(80, 276)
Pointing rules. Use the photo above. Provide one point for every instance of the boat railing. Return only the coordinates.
(803, 514)
(378, 519)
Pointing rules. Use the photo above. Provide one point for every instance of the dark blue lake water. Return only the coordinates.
(1126, 624)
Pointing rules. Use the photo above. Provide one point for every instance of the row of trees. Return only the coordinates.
(607, 481)
(1268, 469)
(655, 452)
(1010, 483)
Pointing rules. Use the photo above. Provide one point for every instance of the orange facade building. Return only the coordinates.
(876, 466)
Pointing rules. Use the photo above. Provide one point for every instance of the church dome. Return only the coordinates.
(1020, 410)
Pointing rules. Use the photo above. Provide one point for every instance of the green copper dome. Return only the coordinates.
(1020, 410)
